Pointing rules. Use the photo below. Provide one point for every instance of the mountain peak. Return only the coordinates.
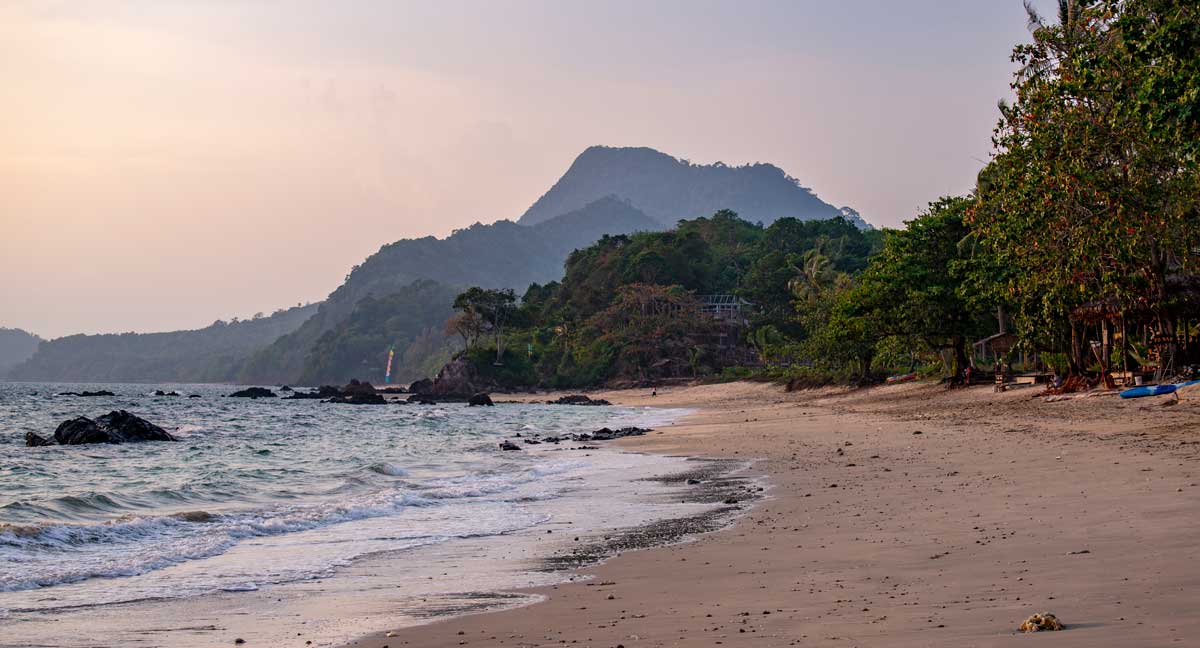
(668, 189)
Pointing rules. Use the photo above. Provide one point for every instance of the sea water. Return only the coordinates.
(269, 492)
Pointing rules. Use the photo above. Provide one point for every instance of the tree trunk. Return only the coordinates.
(1076, 365)
(499, 344)
(1124, 350)
(865, 359)
(961, 361)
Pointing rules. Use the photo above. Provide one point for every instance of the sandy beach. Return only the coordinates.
(899, 516)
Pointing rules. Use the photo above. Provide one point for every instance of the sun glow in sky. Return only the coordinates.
(166, 163)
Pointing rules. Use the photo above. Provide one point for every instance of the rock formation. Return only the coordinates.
(114, 427)
(253, 392)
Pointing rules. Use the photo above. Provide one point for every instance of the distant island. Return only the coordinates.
(210, 354)
(401, 296)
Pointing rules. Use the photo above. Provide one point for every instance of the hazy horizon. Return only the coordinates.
(170, 163)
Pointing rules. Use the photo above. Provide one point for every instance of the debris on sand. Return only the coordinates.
(1041, 622)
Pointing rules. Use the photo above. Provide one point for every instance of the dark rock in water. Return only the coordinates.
(88, 394)
(578, 399)
(355, 387)
(605, 434)
(159, 392)
(323, 392)
(418, 399)
(193, 395)
(304, 396)
(285, 388)
(359, 399)
(509, 445)
(114, 427)
(33, 440)
(253, 392)
(480, 399)
(195, 516)
(392, 390)
(353, 393)
(422, 386)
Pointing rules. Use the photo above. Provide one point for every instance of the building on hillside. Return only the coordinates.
(733, 318)
(729, 309)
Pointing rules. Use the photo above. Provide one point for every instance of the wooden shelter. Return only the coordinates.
(1164, 325)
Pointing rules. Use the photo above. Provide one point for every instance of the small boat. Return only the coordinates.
(904, 378)
(1156, 390)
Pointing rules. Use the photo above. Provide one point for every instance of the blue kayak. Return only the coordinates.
(1155, 390)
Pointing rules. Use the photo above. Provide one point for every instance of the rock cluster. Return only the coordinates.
(603, 434)
(422, 386)
(353, 393)
(480, 399)
(359, 399)
(253, 392)
(88, 394)
(577, 399)
(114, 427)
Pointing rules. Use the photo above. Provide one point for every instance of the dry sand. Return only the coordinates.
(901, 516)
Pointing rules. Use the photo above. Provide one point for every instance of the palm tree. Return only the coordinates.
(813, 276)
(1072, 28)
(1070, 14)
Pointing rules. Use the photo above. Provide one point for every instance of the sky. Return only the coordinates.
(165, 163)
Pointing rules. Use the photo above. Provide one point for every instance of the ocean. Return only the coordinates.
(261, 499)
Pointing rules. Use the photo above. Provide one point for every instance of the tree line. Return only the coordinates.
(1082, 234)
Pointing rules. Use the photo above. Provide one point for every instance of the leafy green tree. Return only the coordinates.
(1092, 195)
(1161, 39)
(652, 328)
(914, 287)
(493, 308)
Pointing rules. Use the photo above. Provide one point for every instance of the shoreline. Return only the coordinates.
(575, 492)
(906, 515)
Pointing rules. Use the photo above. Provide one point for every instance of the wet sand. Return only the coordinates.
(899, 516)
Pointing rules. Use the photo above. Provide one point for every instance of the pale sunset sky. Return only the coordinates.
(164, 163)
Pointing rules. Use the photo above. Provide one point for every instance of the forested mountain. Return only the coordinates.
(211, 354)
(669, 189)
(16, 346)
(411, 321)
(501, 255)
(607, 191)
